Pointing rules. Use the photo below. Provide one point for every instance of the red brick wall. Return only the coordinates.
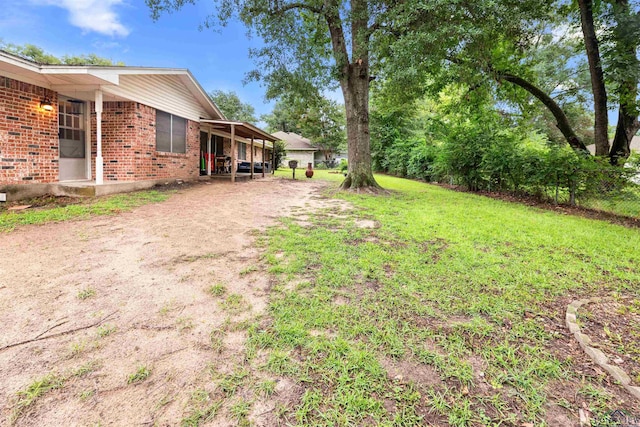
(29, 140)
(28, 134)
(257, 152)
(129, 145)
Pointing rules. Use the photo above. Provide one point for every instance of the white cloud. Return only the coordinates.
(92, 15)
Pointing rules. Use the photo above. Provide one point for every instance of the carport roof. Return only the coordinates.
(242, 129)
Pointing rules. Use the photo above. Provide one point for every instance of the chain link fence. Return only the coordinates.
(617, 193)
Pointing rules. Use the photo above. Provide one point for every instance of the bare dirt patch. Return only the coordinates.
(151, 271)
(410, 371)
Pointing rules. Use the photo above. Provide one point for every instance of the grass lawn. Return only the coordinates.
(91, 207)
(450, 311)
(324, 174)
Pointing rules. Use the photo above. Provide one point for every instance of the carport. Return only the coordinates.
(236, 132)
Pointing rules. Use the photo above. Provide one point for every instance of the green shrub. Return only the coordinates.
(462, 154)
(421, 161)
(279, 154)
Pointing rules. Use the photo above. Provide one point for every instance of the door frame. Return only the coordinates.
(86, 124)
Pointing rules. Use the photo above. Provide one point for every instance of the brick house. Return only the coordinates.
(97, 127)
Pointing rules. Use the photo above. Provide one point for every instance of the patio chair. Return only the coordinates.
(220, 167)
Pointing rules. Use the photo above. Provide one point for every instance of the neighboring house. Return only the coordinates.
(298, 148)
(65, 127)
(335, 160)
(635, 145)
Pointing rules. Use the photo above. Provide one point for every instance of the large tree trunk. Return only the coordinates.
(355, 89)
(627, 89)
(625, 130)
(354, 81)
(601, 124)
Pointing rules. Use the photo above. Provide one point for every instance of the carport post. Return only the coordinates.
(251, 157)
(263, 154)
(273, 159)
(233, 153)
(209, 153)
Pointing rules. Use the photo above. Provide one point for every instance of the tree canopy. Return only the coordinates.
(37, 54)
(232, 107)
(518, 51)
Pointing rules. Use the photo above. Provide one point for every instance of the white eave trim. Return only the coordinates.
(19, 62)
(106, 76)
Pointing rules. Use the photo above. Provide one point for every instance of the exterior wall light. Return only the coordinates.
(46, 104)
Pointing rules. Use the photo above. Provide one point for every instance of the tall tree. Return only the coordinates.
(232, 107)
(313, 43)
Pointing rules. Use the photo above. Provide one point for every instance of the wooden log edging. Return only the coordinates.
(595, 354)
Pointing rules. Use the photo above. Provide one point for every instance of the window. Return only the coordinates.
(71, 129)
(217, 142)
(171, 133)
(242, 151)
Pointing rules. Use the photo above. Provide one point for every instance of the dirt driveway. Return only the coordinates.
(126, 312)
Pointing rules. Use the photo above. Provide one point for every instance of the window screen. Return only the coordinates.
(242, 151)
(171, 133)
(163, 131)
(179, 135)
(219, 141)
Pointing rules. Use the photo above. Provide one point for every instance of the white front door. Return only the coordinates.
(71, 137)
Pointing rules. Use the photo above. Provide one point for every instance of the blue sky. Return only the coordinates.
(123, 30)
